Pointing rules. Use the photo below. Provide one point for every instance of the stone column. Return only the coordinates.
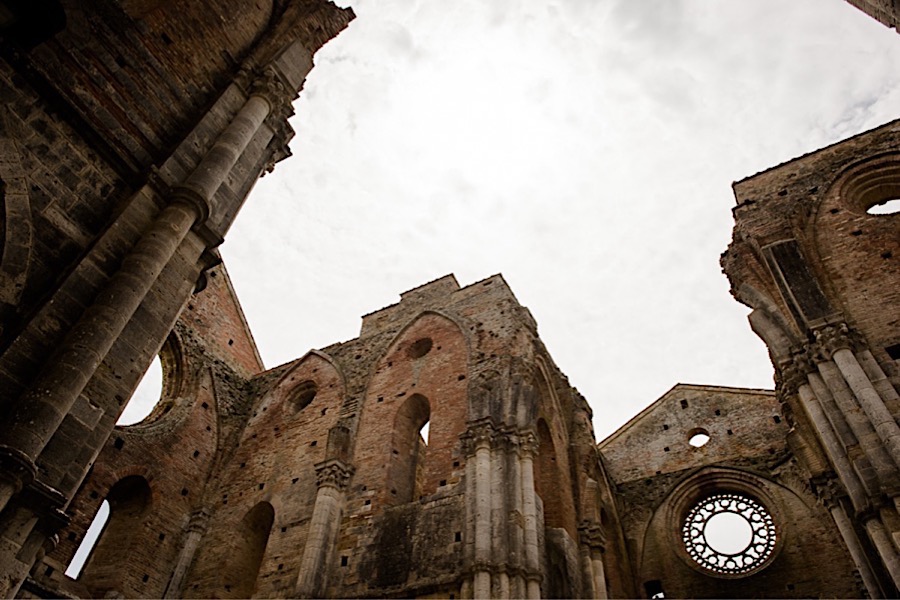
(194, 531)
(848, 534)
(500, 585)
(835, 340)
(529, 446)
(834, 449)
(39, 411)
(515, 528)
(332, 478)
(886, 549)
(593, 543)
(482, 434)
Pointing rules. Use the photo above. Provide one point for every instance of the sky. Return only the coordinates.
(583, 149)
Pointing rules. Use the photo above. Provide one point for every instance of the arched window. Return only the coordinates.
(89, 541)
(408, 449)
(129, 503)
(248, 546)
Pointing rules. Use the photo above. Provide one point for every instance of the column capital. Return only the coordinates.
(792, 372)
(480, 434)
(333, 473)
(198, 520)
(528, 444)
(592, 535)
(16, 467)
(830, 338)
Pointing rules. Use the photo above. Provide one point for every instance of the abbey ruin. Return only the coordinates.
(130, 135)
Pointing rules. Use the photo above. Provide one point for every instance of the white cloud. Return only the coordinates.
(584, 149)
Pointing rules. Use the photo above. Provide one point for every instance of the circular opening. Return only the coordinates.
(304, 393)
(729, 534)
(698, 438)
(146, 395)
(890, 206)
(419, 348)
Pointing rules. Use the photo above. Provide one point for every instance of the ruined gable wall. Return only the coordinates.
(659, 476)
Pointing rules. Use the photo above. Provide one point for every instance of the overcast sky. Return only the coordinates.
(583, 149)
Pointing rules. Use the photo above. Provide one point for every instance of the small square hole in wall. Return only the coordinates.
(184, 491)
(455, 463)
(314, 443)
(380, 399)
(119, 443)
(280, 566)
(367, 503)
(71, 536)
(666, 449)
(684, 404)
(162, 536)
(196, 453)
(205, 405)
(443, 482)
(730, 432)
(48, 572)
(145, 578)
(718, 413)
(665, 427)
(94, 494)
(893, 351)
(295, 480)
(262, 485)
(777, 419)
(283, 529)
(457, 537)
(345, 561)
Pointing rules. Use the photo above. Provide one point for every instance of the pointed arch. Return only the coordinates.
(302, 383)
(248, 547)
(130, 502)
(429, 357)
(408, 451)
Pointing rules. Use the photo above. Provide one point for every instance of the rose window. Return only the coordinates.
(729, 534)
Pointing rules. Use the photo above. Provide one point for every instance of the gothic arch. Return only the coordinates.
(405, 477)
(248, 547)
(314, 371)
(429, 357)
(130, 501)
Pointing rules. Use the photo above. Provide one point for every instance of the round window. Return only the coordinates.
(729, 534)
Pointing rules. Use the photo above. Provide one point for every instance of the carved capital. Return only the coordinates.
(792, 373)
(269, 87)
(528, 444)
(198, 521)
(592, 535)
(831, 338)
(333, 473)
(480, 434)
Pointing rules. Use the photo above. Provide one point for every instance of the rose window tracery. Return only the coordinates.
(729, 534)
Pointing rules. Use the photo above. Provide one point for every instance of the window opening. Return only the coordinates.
(419, 348)
(146, 395)
(304, 394)
(729, 534)
(88, 542)
(424, 431)
(887, 207)
(698, 438)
